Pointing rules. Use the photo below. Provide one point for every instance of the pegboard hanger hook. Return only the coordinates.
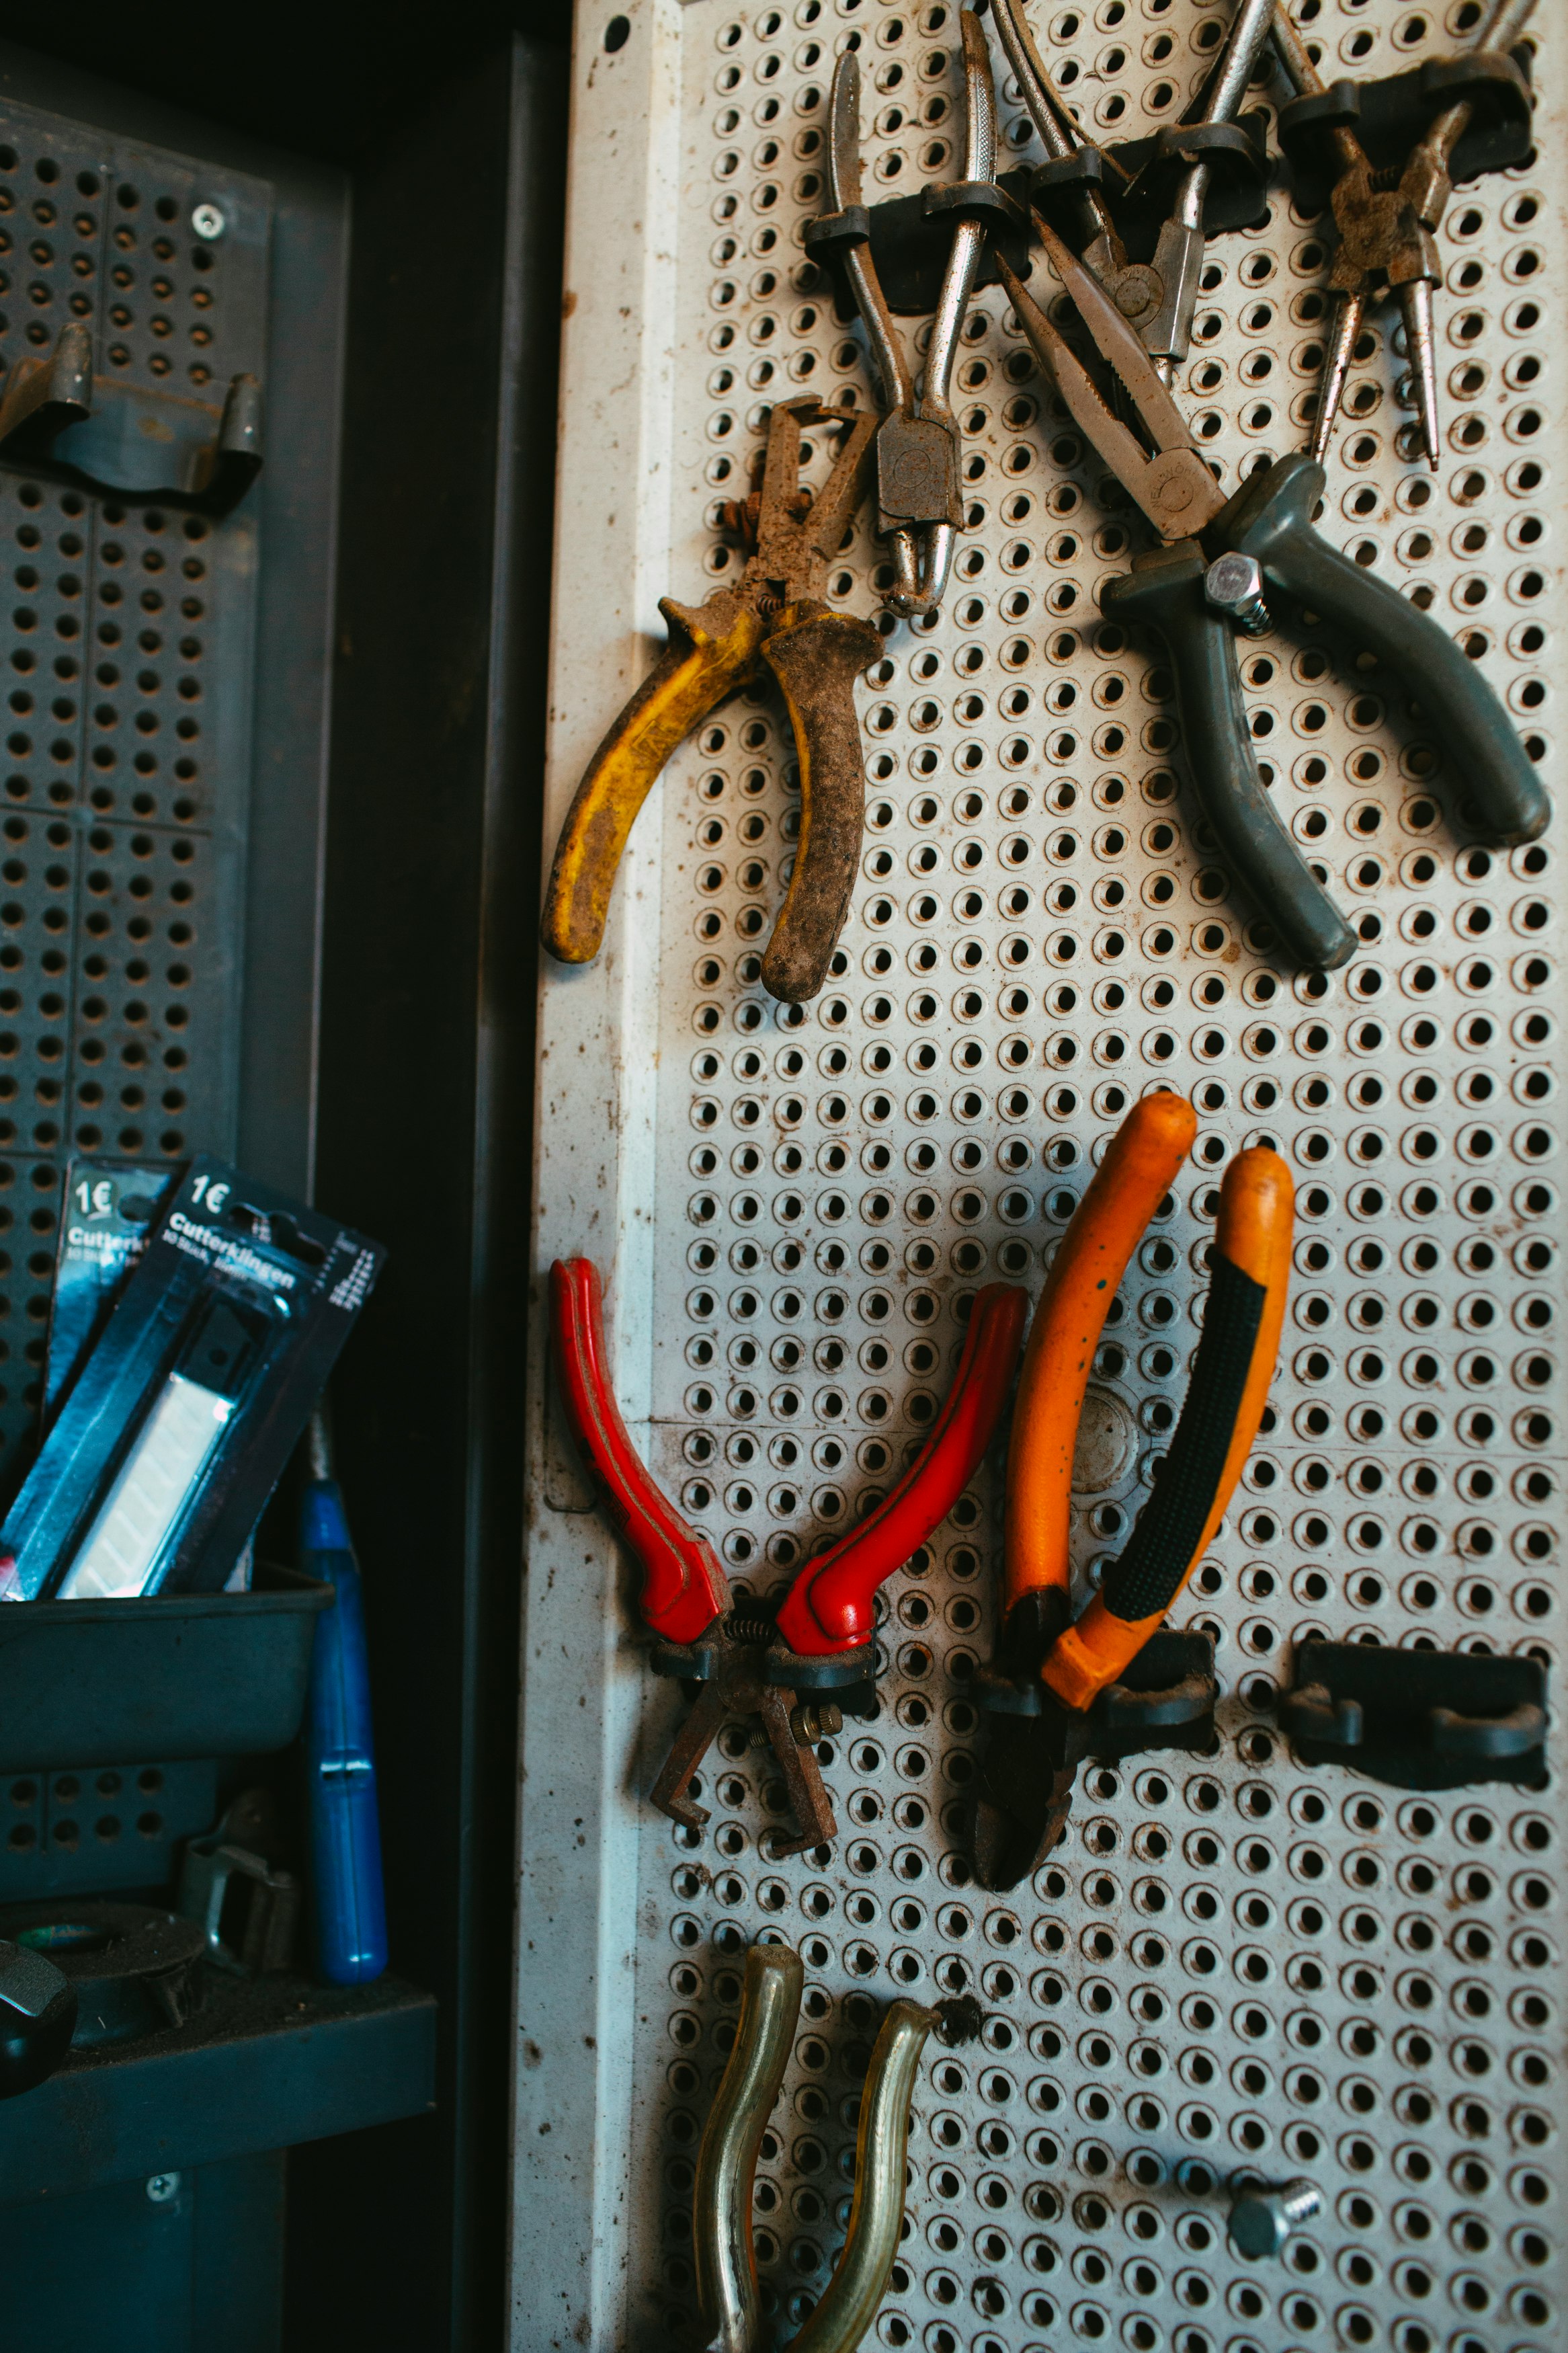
(58, 417)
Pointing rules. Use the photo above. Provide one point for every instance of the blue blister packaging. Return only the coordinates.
(111, 1208)
(181, 1417)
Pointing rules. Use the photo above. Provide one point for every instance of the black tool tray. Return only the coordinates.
(176, 1675)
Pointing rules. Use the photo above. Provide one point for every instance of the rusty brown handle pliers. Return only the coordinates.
(1049, 1671)
(774, 618)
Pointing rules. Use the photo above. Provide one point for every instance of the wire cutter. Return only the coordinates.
(919, 491)
(775, 616)
(783, 1666)
(724, 2254)
(1386, 223)
(1157, 298)
(1049, 1670)
(1216, 555)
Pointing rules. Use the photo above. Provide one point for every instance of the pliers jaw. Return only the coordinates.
(739, 1669)
(790, 535)
(1034, 1748)
(1035, 1743)
(1025, 1792)
(919, 444)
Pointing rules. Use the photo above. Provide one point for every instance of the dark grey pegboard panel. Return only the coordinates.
(99, 1826)
(127, 647)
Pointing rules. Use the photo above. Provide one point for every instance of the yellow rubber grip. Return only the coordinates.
(710, 652)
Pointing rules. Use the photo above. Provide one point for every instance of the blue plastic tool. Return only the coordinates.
(340, 1752)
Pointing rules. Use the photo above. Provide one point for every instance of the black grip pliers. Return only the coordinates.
(1217, 557)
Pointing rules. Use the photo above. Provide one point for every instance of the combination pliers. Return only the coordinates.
(791, 1667)
(1217, 554)
(1049, 1670)
(776, 616)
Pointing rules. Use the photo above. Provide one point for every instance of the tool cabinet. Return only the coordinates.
(1234, 1963)
(162, 806)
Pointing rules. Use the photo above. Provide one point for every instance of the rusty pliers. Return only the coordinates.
(725, 2258)
(790, 1667)
(919, 493)
(776, 616)
(1386, 223)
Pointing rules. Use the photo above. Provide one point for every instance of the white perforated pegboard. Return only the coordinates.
(1231, 1962)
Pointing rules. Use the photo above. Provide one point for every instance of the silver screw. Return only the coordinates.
(1261, 2220)
(208, 222)
(1233, 585)
(162, 2186)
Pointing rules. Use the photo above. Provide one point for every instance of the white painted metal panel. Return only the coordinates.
(1238, 1963)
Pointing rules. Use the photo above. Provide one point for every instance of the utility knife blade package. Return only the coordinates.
(181, 1419)
(112, 1208)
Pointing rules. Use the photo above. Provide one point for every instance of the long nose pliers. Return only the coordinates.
(1217, 553)
(774, 618)
(1050, 1669)
(1158, 298)
(785, 1666)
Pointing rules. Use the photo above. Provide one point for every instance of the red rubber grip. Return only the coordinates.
(684, 1588)
(828, 1607)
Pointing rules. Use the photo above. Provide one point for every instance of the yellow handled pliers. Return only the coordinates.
(776, 614)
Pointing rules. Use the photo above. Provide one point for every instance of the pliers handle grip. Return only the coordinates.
(1270, 519)
(725, 2261)
(829, 1606)
(1091, 1258)
(1243, 1314)
(684, 1588)
(724, 2255)
(711, 649)
(1233, 1366)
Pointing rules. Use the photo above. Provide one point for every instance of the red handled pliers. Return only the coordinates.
(782, 1666)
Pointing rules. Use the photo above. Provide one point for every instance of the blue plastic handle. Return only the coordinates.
(340, 1756)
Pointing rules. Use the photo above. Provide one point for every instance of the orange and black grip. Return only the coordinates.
(1091, 1258)
(1231, 1372)
(684, 1588)
(829, 1608)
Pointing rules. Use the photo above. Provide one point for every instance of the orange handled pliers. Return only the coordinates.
(1049, 1670)
(786, 1665)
